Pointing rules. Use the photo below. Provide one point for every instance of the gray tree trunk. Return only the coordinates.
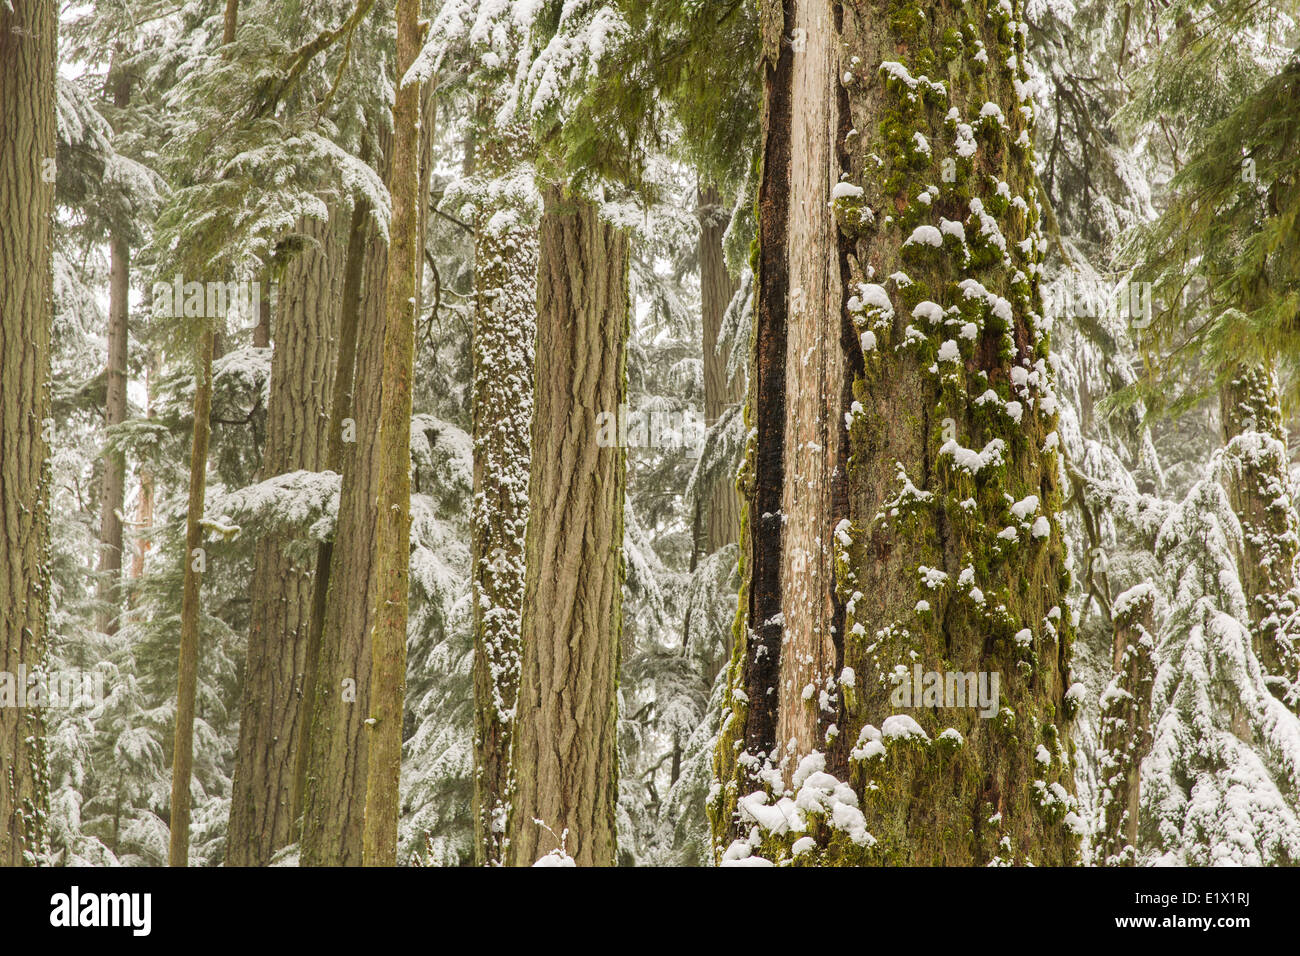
(113, 485)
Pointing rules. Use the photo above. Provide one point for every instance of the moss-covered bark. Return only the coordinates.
(903, 478)
(393, 486)
(1257, 478)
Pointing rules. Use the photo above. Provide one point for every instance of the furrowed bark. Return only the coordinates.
(28, 48)
(261, 806)
(360, 241)
(334, 754)
(815, 369)
(565, 747)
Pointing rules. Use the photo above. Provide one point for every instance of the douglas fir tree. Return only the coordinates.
(28, 43)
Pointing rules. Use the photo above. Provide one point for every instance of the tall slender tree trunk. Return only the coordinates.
(195, 563)
(1126, 727)
(28, 47)
(113, 484)
(565, 746)
(262, 809)
(505, 300)
(1257, 477)
(144, 505)
(393, 494)
(901, 404)
(717, 287)
(195, 559)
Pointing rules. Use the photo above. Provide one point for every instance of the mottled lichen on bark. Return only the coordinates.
(502, 203)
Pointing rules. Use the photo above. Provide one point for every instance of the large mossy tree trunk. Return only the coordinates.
(334, 772)
(1258, 481)
(262, 811)
(565, 745)
(392, 541)
(333, 745)
(505, 304)
(28, 48)
(902, 481)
